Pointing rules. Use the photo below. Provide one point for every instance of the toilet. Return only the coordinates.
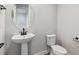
(55, 49)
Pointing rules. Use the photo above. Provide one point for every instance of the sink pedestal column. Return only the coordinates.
(24, 49)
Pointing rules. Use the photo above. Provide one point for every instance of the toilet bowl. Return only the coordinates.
(55, 49)
(58, 50)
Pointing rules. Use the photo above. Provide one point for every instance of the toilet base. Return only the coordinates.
(52, 54)
(55, 54)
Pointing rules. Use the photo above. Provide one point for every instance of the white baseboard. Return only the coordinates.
(42, 52)
(45, 52)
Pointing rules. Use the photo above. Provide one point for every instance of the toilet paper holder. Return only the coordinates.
(76, 39)
(1, 45)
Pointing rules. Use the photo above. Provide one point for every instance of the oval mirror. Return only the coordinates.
(22, 16)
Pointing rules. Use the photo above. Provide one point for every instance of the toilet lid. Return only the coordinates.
(59, 49)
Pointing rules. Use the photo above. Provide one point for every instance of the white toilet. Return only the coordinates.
(55, 49)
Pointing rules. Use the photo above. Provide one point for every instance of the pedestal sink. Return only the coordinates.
(23, 40)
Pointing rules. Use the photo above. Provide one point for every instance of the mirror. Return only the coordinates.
(22, 15)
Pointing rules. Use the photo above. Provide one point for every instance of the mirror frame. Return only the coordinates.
(31, 21)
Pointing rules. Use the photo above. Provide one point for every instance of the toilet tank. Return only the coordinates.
(51, 39)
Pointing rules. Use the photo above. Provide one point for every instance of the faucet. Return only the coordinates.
(23, 32)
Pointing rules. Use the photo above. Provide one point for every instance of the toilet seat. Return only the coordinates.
(59, 50)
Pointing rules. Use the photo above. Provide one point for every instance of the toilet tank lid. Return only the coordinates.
(51, 35)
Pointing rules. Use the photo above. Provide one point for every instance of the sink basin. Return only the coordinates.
(22, 38)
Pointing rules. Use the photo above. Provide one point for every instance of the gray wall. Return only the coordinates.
(68, 26)
(10, 29)
(44, 23)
